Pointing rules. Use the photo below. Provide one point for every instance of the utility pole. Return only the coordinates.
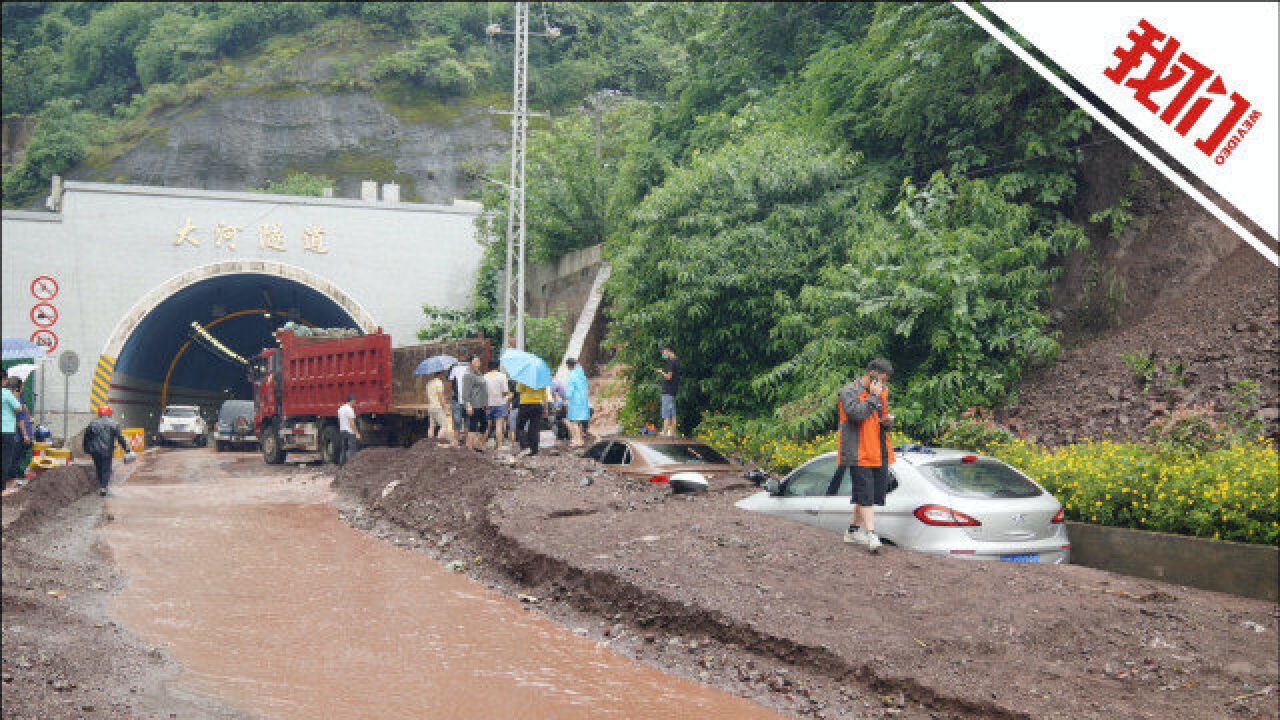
(513, 288)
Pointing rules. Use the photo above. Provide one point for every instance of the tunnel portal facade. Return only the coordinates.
(164, 294)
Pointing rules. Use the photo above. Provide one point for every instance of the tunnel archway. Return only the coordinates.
(156, 356)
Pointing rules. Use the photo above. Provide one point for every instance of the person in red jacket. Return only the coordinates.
(864, 450)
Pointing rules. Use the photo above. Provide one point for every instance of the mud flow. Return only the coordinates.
(269, 601)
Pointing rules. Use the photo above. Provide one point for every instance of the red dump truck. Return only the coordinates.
(299, 386)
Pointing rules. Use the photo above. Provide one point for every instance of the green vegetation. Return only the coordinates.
(95, 75)
(298, 183)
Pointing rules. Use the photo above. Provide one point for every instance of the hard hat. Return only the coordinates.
(104, 410)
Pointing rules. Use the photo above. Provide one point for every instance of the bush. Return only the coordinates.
(973, 431)
(1228, 493)
(1191, 430)
(298, 183)
(432, 64)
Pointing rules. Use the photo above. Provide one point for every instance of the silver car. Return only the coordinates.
(182, 423)
(947, 502)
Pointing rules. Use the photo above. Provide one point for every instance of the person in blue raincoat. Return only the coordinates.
(579, 410)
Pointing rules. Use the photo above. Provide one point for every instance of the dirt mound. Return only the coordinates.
(27, 507)
(948, 638)
(1222, 330)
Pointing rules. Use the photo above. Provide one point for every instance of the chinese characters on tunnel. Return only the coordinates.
(1172, 69)
(271, 236)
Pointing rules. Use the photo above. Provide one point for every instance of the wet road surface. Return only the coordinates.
(248, 577)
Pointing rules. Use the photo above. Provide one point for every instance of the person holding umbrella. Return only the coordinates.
(437, 401)
(532, 378)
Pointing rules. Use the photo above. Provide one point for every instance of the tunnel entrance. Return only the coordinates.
(191, 346)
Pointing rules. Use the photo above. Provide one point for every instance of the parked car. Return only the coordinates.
(182, 423)
(686, 464)
(235, 425)
(947, 502)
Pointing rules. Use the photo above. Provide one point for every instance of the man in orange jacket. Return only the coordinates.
(864, 450)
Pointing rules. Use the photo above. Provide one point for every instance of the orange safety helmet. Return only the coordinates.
(104, 410)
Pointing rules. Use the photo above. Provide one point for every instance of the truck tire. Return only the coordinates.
(271, 451)
(219, 446)
(330, 444)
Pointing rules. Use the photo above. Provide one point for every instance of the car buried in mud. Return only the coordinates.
(947, 502)
(683, 464)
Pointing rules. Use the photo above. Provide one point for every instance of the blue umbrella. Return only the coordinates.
(16, 348)
(435, 364)
(526, 368)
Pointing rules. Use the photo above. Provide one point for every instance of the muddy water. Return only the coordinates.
(271, 602)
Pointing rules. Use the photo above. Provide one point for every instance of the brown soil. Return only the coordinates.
(786, 614)
(64, 657)
(1222, 329)
(1174, 283)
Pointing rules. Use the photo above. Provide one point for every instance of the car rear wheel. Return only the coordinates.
(330, 444)
(271, 450)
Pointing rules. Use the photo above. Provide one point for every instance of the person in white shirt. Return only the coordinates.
(348, 431)
(496, 383)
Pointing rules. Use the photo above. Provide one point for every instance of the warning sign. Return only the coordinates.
(46, 339)
(44, 288)
(44, 315)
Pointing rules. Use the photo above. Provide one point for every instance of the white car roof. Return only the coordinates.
(921, 455)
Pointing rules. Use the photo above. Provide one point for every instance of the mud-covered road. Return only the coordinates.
(438, 583)
(265, 603)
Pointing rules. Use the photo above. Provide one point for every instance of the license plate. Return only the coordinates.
(1023, 558)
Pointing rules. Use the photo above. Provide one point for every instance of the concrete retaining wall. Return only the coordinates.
(1236, 568)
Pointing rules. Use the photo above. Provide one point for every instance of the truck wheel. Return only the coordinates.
(271, 451)
(330, 444)
(219, 446)
(202, 441)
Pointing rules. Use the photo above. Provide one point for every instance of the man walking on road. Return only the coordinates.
(348, 431)
(864, 450)
(100, 439)
(670, 375)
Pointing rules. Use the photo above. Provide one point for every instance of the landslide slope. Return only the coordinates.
(1171, 284)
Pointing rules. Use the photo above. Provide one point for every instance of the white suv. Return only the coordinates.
(182, 423)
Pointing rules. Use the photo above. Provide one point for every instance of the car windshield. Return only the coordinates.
(981, 479)
(235, 408)
(180, 412)
(680, 454)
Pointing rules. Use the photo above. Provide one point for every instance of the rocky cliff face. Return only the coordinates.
(313, 111)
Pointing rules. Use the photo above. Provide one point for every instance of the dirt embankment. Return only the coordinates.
(1171, 283)
(1222, 330)
(64, 657)
(785, 613)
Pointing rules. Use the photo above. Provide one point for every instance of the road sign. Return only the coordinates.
(44, 288)
(44, 315)
(46, 339)
(69, 362)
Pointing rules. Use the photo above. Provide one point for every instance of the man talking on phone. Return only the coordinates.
(864, 449)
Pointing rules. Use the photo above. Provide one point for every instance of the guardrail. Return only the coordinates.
(1229, 567)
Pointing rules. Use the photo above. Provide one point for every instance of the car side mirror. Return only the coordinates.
(773, 486)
